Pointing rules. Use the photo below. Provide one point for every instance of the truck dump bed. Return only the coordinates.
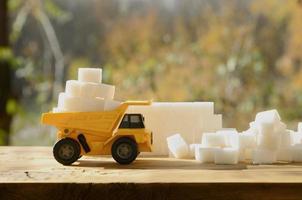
(104, 122)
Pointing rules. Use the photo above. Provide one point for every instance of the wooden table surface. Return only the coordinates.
(32, 173)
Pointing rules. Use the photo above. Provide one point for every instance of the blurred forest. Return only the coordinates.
(245, 55)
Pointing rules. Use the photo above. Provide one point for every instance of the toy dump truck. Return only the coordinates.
(113, 133)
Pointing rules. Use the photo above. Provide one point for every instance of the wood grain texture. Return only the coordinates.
(32, 173)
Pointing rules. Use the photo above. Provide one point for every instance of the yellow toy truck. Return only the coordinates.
(113, 133)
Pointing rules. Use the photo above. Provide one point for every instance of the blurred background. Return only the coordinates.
(245, 55)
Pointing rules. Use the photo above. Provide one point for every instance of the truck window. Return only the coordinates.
(132, 121)
(136, 121)
(125, 122)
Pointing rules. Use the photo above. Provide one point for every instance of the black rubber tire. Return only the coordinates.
(69, 144)
(128, 143)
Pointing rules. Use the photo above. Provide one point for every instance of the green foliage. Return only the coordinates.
(2, 136)
(7, 56)
(12, 106)
(54, 11)
(14, 5)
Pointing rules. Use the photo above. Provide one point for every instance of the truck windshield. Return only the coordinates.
(132, 121)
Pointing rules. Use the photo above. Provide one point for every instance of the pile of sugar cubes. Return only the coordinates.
(88, 93)
(267, 141)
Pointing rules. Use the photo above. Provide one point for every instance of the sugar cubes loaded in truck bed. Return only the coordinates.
(88, 93)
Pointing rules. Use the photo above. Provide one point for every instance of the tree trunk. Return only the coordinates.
(5, 76)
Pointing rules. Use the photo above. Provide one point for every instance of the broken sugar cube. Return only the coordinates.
(178, 146)
(270, 116)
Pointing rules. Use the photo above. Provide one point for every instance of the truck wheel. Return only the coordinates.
(66, 151)
(124, 150)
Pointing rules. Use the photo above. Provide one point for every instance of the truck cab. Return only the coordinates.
(131, 136)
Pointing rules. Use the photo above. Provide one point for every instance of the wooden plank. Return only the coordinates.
(26, 171)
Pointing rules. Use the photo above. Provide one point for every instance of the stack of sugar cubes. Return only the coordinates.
(265, 142)
(272, 141)
(187, 118)
(87, 94)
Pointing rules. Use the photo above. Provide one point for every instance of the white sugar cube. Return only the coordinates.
(90, 75)
(105, 91)
(267, 138)
(270, 116)
(264, 156)
(178, 146)
(297, 153)
(247, 139)
(300, 127)
(205, 154)
(285, 154)
(285, 139)
(271, 142)
(280, 127)
(213, 140)
(111, 105)
(231, 137)
(73, 88)
(227, 156)
(296, 137)
(73, 104)
(266, 128)
(94, 104)
(88, 89)
(61, 100)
